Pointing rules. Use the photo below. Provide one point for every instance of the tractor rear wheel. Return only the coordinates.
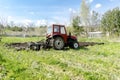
(58, 43)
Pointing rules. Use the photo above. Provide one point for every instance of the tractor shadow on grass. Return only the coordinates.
(66, 49)
(83, 48)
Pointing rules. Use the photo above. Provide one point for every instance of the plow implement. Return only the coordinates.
(27, 46)
(83, 44)
(36, 46)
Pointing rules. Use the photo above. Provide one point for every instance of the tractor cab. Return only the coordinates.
(57, 30)
(58, 38)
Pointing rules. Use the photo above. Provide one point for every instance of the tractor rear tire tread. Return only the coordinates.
(58, 43)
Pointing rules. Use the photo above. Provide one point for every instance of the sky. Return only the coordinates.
(43, 12)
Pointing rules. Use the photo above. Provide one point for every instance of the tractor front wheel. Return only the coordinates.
(58, 43)
(75, 45)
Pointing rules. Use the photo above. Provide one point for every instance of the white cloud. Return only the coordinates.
(51, 22)
(26, 22)
(59, 20)
(40, 22)
(16, 20)
(98, 5)
(72, 10)
(10, 18)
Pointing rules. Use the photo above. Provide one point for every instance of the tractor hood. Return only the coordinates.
(74, 37)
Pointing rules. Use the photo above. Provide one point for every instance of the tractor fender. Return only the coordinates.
(58, 36)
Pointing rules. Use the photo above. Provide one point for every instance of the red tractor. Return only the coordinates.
(58, 39)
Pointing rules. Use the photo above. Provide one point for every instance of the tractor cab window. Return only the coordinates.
(56, 28)
(63, 30)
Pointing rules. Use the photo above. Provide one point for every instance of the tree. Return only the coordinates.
(26, 28)
(110, 22)
(95, 18)
(94, 21)
(1, 30)
(85, 15)
(76, 25)
(3, 24)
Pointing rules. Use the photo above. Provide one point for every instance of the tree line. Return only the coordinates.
(90, 21)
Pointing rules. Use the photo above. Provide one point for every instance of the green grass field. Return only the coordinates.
(99, 62)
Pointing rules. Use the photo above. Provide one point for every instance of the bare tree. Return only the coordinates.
(85, 15)
(27, 28)
(3, 24)
(95, 21)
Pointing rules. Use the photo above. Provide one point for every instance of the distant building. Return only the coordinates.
(95, 34)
